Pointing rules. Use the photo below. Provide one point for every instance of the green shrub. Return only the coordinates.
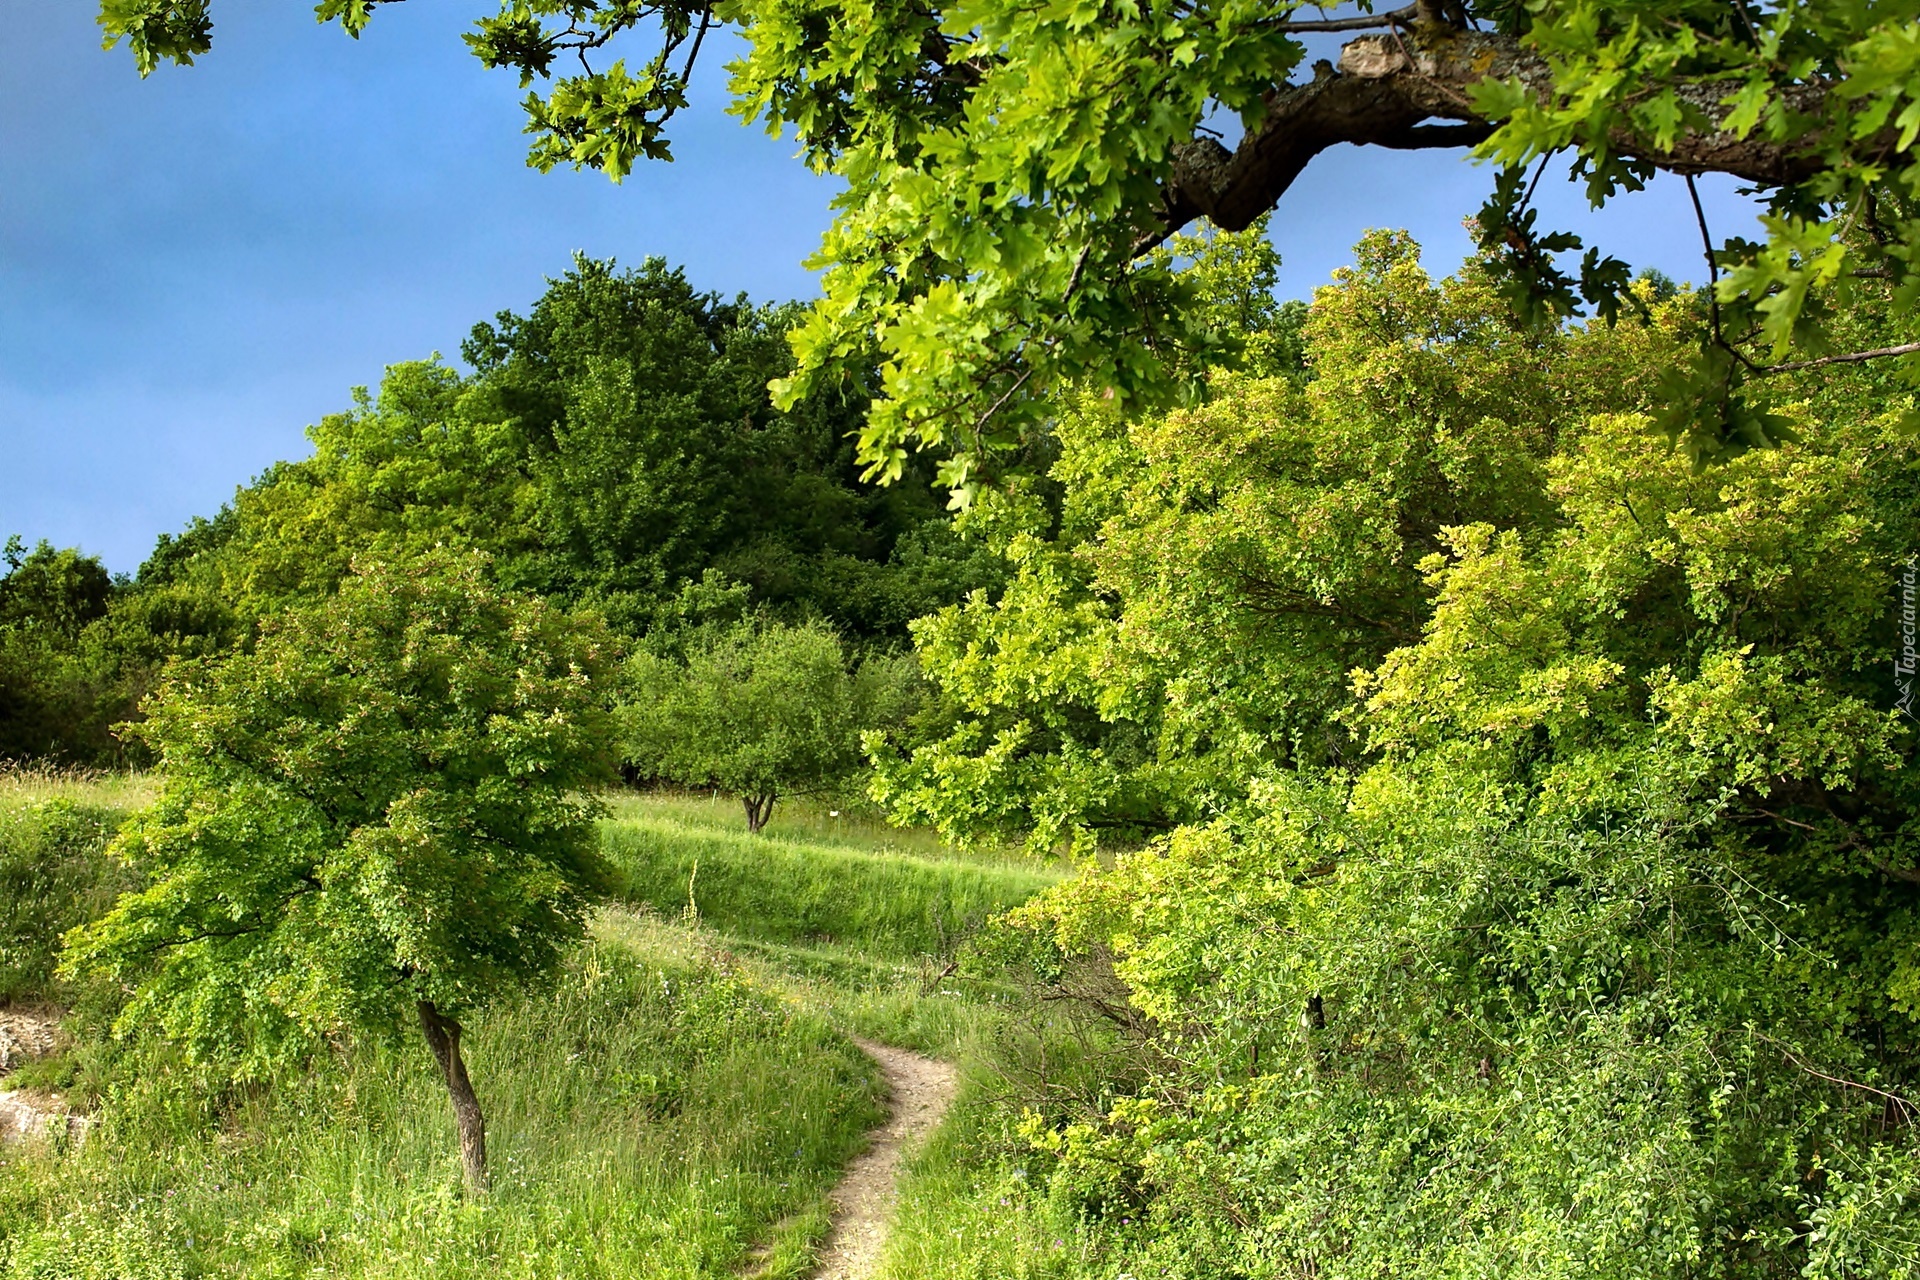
(760, 709)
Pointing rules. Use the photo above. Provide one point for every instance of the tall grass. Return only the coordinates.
(36, 783)
(678, 1105)
(915, 1004)
(839, 926)
(648, 1118)
(54, 874)
(770, 888)
(974, 1206)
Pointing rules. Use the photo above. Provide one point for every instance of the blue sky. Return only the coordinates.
(195, 266)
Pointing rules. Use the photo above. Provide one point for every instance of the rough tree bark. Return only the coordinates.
(759, 809)
(1386, 91)
(443, 1037)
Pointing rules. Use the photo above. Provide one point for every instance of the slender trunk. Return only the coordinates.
(443, 1037)
(759, 809)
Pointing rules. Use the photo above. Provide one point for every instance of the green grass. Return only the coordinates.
(815, 922)
(902, 1002)
(677, 1106)
(38, 783)
(971, 1207)
(650, 1117)
(839, 891)
(847, 824)
(54, 874)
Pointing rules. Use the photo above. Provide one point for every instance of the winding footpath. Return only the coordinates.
(920, 1091)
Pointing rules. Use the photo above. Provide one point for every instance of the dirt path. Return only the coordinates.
(922, 1088)
(25, 1036)
(27, 1113)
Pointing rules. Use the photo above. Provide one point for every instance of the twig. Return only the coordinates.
(1007, 395)
(1780, 817)
(1365, 22)
(1904, 1104)
(706, 20)
(1079, 265)
(1851, 357)
(1713, 276)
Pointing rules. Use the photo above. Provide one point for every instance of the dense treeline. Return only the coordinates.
(1478, 705)
(80, 648)
(614, 449)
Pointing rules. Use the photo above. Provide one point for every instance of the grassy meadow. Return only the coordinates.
(859, 920)
(677, 1105)
(810, 878)
(32, 783)
(646, 1118)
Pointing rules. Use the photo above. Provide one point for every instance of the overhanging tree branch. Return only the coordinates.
(1388, 89)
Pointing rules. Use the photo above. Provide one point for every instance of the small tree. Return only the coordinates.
(760, 709)
(367, 820)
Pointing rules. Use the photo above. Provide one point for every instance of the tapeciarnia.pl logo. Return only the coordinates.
(1906, 659)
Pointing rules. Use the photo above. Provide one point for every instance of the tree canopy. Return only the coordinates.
(613, 445)
(79, 648)
(614, 449)
(758, 708)
(369, 817)
(1009, 166)
(1509, 845)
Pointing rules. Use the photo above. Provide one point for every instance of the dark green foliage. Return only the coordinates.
(655, 455)
(174, 554)
(78, 650)
(56, 591)
(615, 444)
(615, 448)
(52, 702)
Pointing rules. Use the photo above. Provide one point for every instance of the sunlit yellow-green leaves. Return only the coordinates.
(1550, 964)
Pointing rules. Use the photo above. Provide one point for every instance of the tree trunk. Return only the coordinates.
(443, 1037)
(759, 810)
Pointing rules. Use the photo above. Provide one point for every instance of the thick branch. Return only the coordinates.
(1385, 90)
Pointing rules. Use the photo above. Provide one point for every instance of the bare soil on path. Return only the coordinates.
(28, 1113)
(920, 1089)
